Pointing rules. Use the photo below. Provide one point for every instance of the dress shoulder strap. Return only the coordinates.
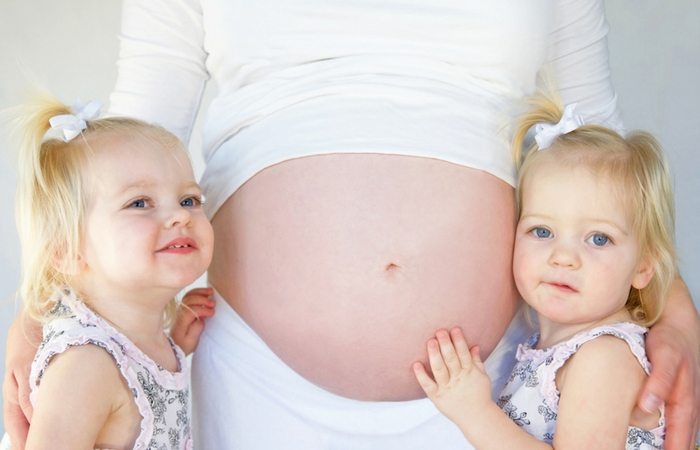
(553, 358)
(66, 331)
(629, 332)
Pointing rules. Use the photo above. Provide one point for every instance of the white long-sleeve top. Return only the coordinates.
(438, 78)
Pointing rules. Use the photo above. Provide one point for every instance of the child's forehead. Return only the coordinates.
(141, 140)
(132, 161)
(582, 180)
(578, 188)
(114, 151)
(575, 165)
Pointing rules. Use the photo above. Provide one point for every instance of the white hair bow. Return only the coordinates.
(546, 133)
(71, 125)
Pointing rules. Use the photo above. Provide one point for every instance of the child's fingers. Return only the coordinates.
(204, 313)
(199, 311)
(476, 357)
(449, 354)
(194, 330)
(198, 300)
(179, 331)
(200, 295)
(183, 322)
(186, 335)
(461, 347)
(201, 300)
(205, 291)
(426, 383)
(437, 364)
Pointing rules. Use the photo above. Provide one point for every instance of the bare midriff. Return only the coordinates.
(346, 264)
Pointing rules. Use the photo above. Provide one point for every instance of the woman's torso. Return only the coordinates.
(345, 264)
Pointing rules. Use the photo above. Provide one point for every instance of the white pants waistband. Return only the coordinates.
(245, 396)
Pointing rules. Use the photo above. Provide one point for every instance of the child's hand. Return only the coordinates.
(197, 305)
(460, 384)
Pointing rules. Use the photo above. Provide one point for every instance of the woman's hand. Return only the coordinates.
(23, 338)
(673, 346)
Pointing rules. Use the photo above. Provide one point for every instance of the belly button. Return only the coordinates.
(393, 273)
(391, 267)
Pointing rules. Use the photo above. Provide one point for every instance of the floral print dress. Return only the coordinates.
(162, 397)
(531, 399)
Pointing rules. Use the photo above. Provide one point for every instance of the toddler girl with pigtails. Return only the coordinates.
(111, 225)
(594, 258)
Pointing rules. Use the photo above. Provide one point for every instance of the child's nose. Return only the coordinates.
(564, 256)
(178, 217)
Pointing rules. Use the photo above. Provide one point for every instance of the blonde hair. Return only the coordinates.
(637, 168)
(52, 197)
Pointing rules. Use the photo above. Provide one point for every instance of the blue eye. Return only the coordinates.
(599, 239)
(540, 232)
(190, 202)
(140, 203)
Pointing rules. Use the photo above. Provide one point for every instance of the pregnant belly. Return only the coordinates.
(346, 264)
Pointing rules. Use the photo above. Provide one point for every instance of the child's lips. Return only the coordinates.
(562, 286)
(179, 245)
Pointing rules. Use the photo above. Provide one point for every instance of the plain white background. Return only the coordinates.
(70, 46)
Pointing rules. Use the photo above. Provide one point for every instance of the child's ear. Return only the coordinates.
(67, 265)
(644, 273)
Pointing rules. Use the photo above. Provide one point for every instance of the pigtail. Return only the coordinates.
(540, 109)
(49, 202)
(32, 123)
(544, 108)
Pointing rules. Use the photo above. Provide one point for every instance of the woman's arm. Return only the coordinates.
(577, 61)
(161, 66)
(23, 338)
(673, 346)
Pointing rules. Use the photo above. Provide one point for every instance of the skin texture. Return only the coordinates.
(142, 200)
(377, 251)
(576, 254)
(114, 419)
